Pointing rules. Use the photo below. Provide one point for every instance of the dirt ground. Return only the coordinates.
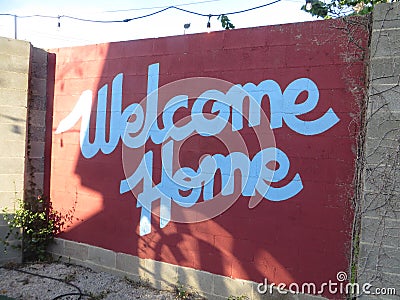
(65, 281)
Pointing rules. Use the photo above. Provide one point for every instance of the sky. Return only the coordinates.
(45, 33)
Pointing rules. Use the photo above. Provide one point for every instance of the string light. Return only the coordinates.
(209, 24)
(308, 5)
(140, 17)
(186, 26)
(143, 16)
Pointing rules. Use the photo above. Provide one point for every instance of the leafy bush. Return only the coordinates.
(35, 223)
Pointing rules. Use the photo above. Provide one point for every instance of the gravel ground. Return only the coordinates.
(96, 285)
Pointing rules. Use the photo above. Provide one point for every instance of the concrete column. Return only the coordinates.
(14, 83)
(379, 260)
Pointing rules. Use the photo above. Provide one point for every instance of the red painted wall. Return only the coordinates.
(303, 239)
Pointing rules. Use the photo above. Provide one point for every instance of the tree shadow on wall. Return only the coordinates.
(304, 239)
(15, 124)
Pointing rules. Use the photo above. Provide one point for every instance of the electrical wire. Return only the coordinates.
(79, 293)
(158, 7)
(143, 16)
(30, 16)
(226, 14)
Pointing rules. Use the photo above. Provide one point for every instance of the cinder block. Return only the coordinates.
(37, 118)
(384, 11)
(13, 115)
(12, 132)
(16, 98)
(37, 134)
(35, 165)
(196, 279)
(166, 274)
(102, 257)
(39, 63)
(38, 55)
(56, 247)
(16, 47)
(10, 149)
(382, 149)
(37, 149)
(11, 254)
(385, 70)
(38, 180)
(4, 226)
(9, 200)
(13, 63)
(39, 70)
(225, 286)
(4, 229)
(383, 178)
(385, 95)
(76, 250)
(11, 182)
(38, 102)
(378, 25)
(128, 263)
(14, 81)
(378, 204)
(12, 165)
(380, 231)
(378, 258)
(384, 43)
(384, 125)
(38, 86)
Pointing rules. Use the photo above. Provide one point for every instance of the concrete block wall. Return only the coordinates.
(14, 84)
(304, 239)
(36, 122)
(163, 275)
(379, 261)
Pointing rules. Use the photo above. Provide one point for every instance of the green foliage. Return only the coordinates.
(34, 223)
(339, 8)
(225, 22)
(318, 9)
(355, 254)
(181, 292)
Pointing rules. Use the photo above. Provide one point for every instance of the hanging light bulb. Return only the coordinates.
(59, 22)
(209, 24)
(308, 5)
(186, 26)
